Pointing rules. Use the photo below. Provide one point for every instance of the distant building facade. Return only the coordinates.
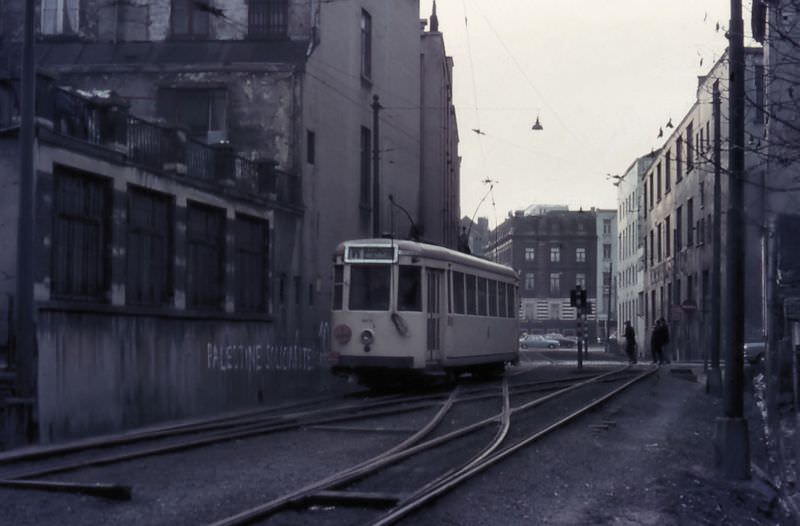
(630, 241)
(552, 252)
(678, 201)
(605, 278)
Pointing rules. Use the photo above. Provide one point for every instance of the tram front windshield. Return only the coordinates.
(369, 287)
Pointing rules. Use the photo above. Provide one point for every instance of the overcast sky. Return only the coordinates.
(602, 75)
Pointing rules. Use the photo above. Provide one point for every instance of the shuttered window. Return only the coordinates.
(205, 235)
(252, 249)
(149, 250)
(81, 236)
(268, 19)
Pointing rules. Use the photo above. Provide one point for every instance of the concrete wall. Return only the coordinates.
(111, 372)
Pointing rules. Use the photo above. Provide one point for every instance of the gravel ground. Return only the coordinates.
(653, 467)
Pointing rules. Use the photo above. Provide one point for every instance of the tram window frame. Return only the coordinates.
(492, 284)
(338, 287)
(482, 296)
(459, 301)
(415, 305)
(472, 283)
(502, 303)
(371, 303)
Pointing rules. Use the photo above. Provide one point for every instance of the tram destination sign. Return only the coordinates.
(370, 254)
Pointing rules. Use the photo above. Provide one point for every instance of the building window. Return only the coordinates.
(555, 311)
(679, 160)
(530, 253)
(530, 280)
(205, 261)
(689, 148)
(202, 111)
(149, 251)
(668, 172)
(660, 242)
(702, 194)
(311, 147)
(650, 183)
(606, 226)
(668, 229)
(689, 222)
(580, 255)
(189, 19)
(679, 228)
(607, 251)
(60, 17)
(555, 254)
(366, 175)
(267, 19)
(366, 45)
(658, 182)
(252, 264)
(81, 236)
(758, 115)
(580, 280)
(555, 284)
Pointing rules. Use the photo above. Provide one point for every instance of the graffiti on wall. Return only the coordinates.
(256, 358)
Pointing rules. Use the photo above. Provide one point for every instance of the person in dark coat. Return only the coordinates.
(630, 342)
(658, 340)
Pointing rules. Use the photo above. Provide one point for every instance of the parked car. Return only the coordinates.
(563, 341)
(537, 341)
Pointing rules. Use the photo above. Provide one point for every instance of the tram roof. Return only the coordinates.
(406, 247)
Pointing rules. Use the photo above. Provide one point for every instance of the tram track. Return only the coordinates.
(348, 488)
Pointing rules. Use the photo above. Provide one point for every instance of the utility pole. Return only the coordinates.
(714, 375)
(608, 311)
(732, 445)
(376, 164)
(26, 310)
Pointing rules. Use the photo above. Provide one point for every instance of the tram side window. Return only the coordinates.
(458, 292)
(492, 297)
(338, 286)
(409, 288)
(512, 304)
(501, 289)
(482, 296)
(369, 287)
(471, 305)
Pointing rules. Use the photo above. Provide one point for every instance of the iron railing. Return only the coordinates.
(156, 147)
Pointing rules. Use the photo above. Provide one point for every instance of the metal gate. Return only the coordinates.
(435, 281)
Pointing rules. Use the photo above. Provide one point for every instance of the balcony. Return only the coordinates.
(101, 120)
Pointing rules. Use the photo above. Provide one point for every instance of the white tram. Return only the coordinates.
(404, 307)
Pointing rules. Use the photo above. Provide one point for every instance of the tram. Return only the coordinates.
(407, 308)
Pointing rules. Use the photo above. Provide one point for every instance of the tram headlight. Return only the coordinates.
(367, 337)
(342, 333)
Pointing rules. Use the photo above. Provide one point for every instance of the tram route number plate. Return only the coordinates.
(372, 254)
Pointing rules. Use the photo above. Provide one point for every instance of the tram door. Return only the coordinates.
(435, 280)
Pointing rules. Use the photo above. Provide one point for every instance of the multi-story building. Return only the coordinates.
(678, 197)
(553, 253)
(630, 266)
(324, 102)
(607, 265)
(477, 234)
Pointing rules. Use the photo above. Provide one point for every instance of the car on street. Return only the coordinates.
(563, 341)
(537, 341)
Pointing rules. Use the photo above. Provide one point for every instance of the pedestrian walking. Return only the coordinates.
(630, 342)
(658, 340)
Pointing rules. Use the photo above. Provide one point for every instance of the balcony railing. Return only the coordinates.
(100, 120)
